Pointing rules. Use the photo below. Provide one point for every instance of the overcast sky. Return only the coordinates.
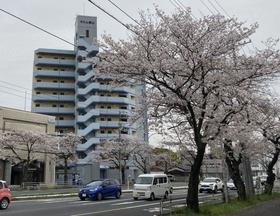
(18, 40)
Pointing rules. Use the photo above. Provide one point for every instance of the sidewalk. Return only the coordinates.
(68, 192)
(268, 208)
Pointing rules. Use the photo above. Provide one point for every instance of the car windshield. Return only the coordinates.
(209, 180)
(144, 180)
(95, 183)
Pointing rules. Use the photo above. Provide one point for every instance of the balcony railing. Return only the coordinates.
(53, 110)
(45, 97)
(50, 85)
(51, 73)
(49, 61)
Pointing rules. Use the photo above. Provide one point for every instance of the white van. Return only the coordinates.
(151, 186)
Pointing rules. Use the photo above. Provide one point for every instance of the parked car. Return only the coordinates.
(5, 195)
(211, 184)
(231, 185)
(99, 189)
(171, 178)
(152, 186)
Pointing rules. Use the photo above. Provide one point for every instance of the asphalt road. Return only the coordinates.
(125, 206)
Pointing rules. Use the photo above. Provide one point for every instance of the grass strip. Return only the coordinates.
(223, 209)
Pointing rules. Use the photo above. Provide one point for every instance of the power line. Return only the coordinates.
(207, 7)
(35, 26)
(214, 7)
(15, 85)
(15, 89)
(124, 12)
(14, 94)
(222, 8)
(112, 16)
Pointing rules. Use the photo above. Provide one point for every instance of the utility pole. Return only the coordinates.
(225, 179)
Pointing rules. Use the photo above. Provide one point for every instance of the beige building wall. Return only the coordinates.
(13, 119)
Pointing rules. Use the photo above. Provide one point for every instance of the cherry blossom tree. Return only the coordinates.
(116, 152)
(23, 147)
(143, 156)
(189, 66)
(267, 118)
(66, 150)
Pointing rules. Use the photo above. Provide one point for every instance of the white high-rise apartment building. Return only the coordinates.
(65, 85)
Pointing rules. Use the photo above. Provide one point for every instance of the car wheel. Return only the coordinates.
(82, 198)
(99, 196)
(135, 198)
(200, 191)
(4, 203)
(118, 194)
(166, 195)
(171, 190)
(215, 190)
(152, 197)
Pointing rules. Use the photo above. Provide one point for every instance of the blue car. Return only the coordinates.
(99, 189)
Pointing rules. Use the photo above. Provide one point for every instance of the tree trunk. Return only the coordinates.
(65, 171)
(269, 184)
(234, 172)
(192, 197)
(123, 175)
(24, 173)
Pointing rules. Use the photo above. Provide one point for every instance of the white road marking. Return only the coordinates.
(101, 202)
(126, 203)
(124, 208)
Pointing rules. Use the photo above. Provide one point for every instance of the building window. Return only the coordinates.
(62, 81)
(54, 105)
(61, 118)
(124, 119)
(124, 132)
(87, 33)
(102, 83)
(39, 68)
(109, 119)
(62, 70)
(61, 131)
(108, 107)
(39, 56)
(102, 131)
(109, 132)
(38, 92)
(61, 105)
(123, 107)
(39, 80)
(102, 119)
(54, 93)
(121, 95)
(55, 69)
(62, 58)
(55, 81)
(102, 95)
(37, 105)
(61, 93)
(55, 57)
(102, 107)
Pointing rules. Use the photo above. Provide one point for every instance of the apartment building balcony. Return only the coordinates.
(53, 110)
(51, 73)
(113, 124)
(91, 127)
(98, 112)
(45, 97)
(100, 87)
(82, 66)
(65, 123)
(52, 85)
(103, 99)
(86, 77)
(91, 48)
(107, 136)
(88, 144)
(54, 62)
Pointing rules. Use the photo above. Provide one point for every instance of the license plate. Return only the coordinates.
(84, 195)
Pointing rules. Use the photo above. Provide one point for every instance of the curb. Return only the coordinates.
(62, 195)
